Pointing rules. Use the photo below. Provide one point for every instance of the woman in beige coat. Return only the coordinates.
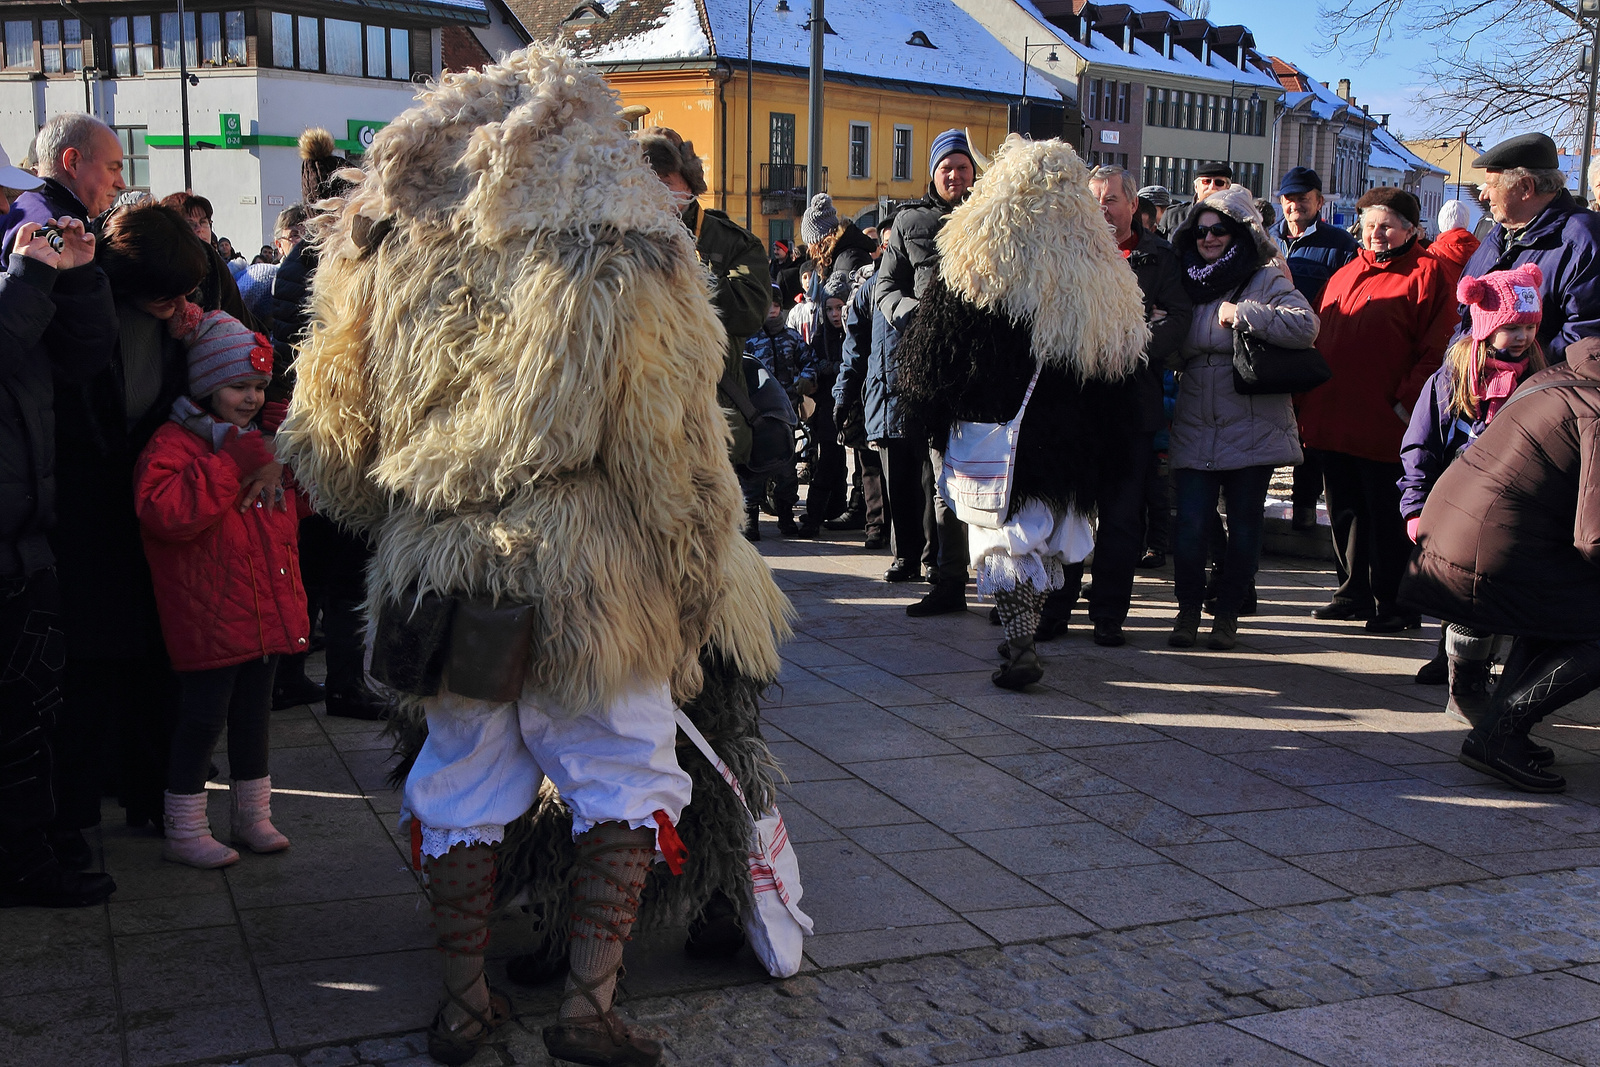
(1223, 442)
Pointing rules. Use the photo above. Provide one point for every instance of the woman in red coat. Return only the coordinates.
(220, 530)
(1386, 318)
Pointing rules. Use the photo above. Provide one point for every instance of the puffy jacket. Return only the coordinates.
(910, 259)
(782, 352)
(227, 582)
(1314, 257)
(1433, 441)
(868, 372)
(1213, 427)
(28, 324)
(1564, 240)
(291, 314)
(1384, 331)
(1453, 249)
(1155, 265)
(852, 252)
(1509, 541)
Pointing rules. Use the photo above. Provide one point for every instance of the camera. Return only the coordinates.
(52, 236)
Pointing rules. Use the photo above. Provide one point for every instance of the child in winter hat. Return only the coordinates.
(821, 218)
(222, 540)
(1480, 372)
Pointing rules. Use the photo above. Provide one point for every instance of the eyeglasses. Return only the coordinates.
(1216, 229)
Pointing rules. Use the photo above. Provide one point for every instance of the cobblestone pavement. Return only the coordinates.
(1267, 857)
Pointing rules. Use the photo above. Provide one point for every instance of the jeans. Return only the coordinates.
(1244, 491)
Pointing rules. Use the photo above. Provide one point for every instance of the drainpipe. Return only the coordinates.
(723, 73)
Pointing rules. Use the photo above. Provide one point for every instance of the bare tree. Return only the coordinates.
(1490, 60)
(1196, 9)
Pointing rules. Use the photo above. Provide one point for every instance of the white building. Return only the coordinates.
(258, 77)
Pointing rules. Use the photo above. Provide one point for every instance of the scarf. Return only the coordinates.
(1395, 253)
(1503, 377)
(1205, 282)
(209, 428)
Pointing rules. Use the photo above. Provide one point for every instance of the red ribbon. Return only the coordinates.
(669, 844)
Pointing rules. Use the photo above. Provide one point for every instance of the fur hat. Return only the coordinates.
(318, 165)
(1031, 240)
(820, 219)
(668, 153)
(1502, 298)
(1395, 199)
(1236, 202)
(222, 350)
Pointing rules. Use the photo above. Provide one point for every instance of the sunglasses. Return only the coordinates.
(1216, 229)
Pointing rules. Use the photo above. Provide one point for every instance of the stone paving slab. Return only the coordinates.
(1153, 854)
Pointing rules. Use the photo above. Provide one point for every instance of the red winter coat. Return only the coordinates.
(227, 583)
(1384, 331)
(1452, 249)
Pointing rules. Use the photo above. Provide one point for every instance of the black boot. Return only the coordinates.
(358, 703)
(1021, 668)
(752, 522)
(291, 688)
(1508, 759)
(942, 599)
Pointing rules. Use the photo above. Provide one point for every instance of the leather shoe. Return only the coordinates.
(600, 1039)
(941, 600)
(1340, 610)
(850, 520)
(1514, 767)
(1153, 559)
(360, 703)
(1393, 623)
(903, 570)
(1109, 634)
(57, 888)
(293, 692)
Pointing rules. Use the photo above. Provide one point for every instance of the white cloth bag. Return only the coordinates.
(778, 927)
(980, 460)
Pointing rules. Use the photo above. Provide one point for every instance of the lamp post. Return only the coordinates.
(749, 106)
(1023, 115)
(819, 25)
(1233, 118)
(183, 95)
(1589, 12)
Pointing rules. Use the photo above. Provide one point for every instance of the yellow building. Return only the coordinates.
(898, 73)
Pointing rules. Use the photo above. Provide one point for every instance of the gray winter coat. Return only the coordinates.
(1214, 428)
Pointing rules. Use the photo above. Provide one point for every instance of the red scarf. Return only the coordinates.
(1503, 379)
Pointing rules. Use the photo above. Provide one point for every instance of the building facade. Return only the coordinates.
(258, 77)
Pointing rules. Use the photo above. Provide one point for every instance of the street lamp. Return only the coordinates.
(183, 94)
(1233, 117)
(1589, 11)
(1028, 49)
(1461, 158)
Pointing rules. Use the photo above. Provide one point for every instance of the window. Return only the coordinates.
(233, 36)
(211, 38)
(780, 145)
(282, 40)
(1149, 107)
(377, 52)
(860, 149)
(1166, 113)
(169, 41)
(1122, 101)
(310, 54)
(780, 230)
(135, 156)
(61, 42)
(144, 44)
(19, 43)
(400, 54)
(344, 46)
(1094, 98)
(121, 54)
(902, 153)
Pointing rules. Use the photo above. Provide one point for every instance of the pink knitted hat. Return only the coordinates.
(222, 350)
(1503, 298)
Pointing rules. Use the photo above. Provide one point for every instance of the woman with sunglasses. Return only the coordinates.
(1223, 442)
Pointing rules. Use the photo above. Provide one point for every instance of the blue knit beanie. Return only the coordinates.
(947, 142)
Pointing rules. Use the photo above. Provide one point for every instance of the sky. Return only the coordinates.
(1388, 83)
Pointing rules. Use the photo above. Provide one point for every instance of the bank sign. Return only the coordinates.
(362, 132)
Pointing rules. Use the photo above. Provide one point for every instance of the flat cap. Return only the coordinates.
(1157, 195)
(1299, 180)
(1532, 150)
(1214, 170)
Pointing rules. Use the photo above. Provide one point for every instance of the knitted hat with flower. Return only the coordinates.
(222, 350)
(1502, 298)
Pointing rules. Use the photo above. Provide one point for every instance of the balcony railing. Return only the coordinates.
(783, 188)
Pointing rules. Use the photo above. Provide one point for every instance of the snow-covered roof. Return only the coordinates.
(870, 39)
(1386, 143)
(1102, 50)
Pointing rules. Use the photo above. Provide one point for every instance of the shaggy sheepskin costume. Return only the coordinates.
(510, 384)
(1030, 278)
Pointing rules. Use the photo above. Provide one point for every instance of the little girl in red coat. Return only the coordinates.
(221, 530)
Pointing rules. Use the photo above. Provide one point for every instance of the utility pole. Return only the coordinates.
(183, 95)
(1589, 11)
(814, 148)
(749, 107)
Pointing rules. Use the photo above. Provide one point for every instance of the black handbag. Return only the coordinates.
(1261, 367)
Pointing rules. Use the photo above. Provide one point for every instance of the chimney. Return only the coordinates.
(1344, 89)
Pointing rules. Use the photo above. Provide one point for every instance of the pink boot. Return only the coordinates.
(252, 817)
(189, 837)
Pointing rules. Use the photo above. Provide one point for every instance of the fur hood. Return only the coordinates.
(1237, 204)
(510, 381)
(1031, 241)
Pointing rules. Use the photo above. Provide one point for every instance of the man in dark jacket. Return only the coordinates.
(909, 266)
(1119, 536)
(1537, 221)
(1509, 543)
(56, 321)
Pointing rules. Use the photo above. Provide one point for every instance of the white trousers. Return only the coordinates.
(482, 765)
(1033, 547)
